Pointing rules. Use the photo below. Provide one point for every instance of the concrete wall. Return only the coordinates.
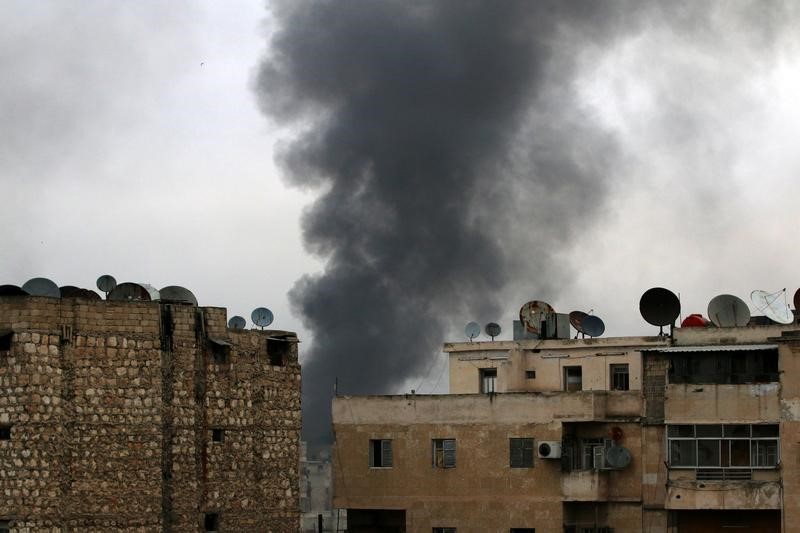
(482, 493)
(714, 404)
(547, 359)
(112, 406)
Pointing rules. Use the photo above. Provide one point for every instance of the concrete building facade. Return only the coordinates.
(693, 432)
(145, 416)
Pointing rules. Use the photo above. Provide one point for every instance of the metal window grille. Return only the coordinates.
(620, 378)
(521, 450)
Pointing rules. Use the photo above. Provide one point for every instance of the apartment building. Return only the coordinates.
(692, 432)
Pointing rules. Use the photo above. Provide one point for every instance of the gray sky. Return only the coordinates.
(131, 143)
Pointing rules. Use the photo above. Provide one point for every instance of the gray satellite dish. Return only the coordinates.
(472, 330)
(618, 456)
(493, 329)
(106, 283)
(41, 287)
(176, 293)
(773, 305)
(728, 311)
(262, 317)
(70, 291)
(129, 291)
(593, 326)
(660, 307)
(237, 322)
(152, 291)
(533, 313)
(12, 290)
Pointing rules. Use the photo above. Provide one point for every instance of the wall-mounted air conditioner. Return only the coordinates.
(549, 449)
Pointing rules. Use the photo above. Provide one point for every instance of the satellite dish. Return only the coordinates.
(797, 299)
(176, 293)
(41, 287)
(493, 329)
(618, 456)
(592, 326)
(152, 291)
(533, 313)
(12, 290)
(660, 307)
(472, 330)
(262, 317)
(728, 311)
(106, 283)
(70, 291)
(129, 291)
(237, 322)
(576, 319)
(771, 304)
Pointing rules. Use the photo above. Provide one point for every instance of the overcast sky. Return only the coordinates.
(131, 144)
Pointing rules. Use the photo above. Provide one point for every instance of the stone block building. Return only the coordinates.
(695, 432)
(145, 416)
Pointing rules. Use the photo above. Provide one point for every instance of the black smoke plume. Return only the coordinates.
(452, 160)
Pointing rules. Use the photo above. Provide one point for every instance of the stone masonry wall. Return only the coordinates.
(112, 407)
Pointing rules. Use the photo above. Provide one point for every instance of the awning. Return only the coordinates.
(219, 342)
(715, 348)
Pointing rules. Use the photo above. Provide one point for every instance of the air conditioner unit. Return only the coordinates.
(549, 449)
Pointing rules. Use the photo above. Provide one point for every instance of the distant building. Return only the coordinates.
(697, 432)
(145, 416)
(316, 494)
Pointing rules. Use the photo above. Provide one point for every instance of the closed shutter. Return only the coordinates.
(386, 452)
(449, 446)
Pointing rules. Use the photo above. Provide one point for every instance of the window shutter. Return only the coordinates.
(371, 454)
(449, 446)
(386, 451)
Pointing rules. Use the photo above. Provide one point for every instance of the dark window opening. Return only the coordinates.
(211, 522)
(220, 351)
(730, 367)
(488, 380)
(5, 526)
(444, 453)
(573, 378)
(444, 530)
(278, 351)
(5, 432)
(5, 340)
(530, 374)
(620, 379)
(521, 450)
(522, 530)
(218, 435)
(380, 453)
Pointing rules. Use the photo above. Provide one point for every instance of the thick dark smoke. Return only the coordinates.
(448, 147)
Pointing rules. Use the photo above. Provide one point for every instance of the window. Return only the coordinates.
(444, 530)
(5, 340)
(522, 530)
(735, 367)
(218, 435)
(619, 377)
(530, 374)
(380, 453)
(211, 522)
(521, 452)
(219, 351)
(720, 451)
(573, 378)
(444, 453)
(5, 526)
(5, 432)
(488, 379)
(278, 350)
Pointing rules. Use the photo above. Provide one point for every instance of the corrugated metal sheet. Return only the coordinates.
(716, 348)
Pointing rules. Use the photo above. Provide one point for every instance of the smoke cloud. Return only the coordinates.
(454, 156)
(440, 152)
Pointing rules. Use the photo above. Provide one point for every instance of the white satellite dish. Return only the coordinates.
(773, 305)
(472, 330)
(728, 311)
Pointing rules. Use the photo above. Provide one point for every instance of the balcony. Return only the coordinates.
(585, 486)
